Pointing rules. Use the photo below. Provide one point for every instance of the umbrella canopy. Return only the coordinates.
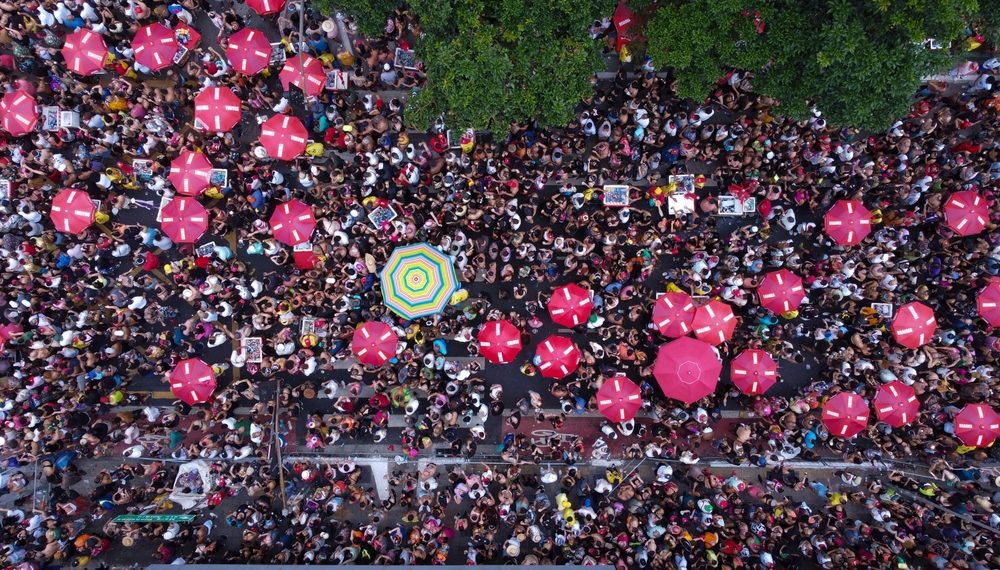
(781, 291)
(248, 51)
(374, 343)
(914, 325)
(155, 46)
(192, 381)
(714, 322)
(72, 211)
(570, 305)
(845, 414)
(558, 357)
(896, 404)
(283, 137)
(84, 52)
(687, 369)
(623, 17)
(310, 70)
(18, 113)
(216, 109)
(265, 7)
(190, 172)
(966, 212)
(499, 341)
(977, 425)
(673, 314)
(754, 371)
(988, 303)
(293, 222)
(306, 260)
(848, 222)
(183, 219)
(619, 399)
(418, 280)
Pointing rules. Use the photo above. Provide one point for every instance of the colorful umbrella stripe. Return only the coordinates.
(418, 280)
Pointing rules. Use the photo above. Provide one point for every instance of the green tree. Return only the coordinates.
(857, 61)
(370, 15)
(491, 63)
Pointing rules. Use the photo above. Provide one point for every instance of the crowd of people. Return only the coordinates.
(519, 212)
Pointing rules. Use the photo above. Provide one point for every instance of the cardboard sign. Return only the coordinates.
(615, 195)
(380, 216)
(406, 58)
(253, 349)
(50, 118)
(142, 168)
(219, 177)
(730, 206)
(336, 80)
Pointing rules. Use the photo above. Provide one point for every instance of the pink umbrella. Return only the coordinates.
(966, 212)
(293, 222)
(84, 52)
(619, 399)
(845, 414)
(374, 343)
(216, 109)
(311, 70)
(183, 219)
(155, 46)
(570, 305)
(687, 369)
(714, 322)
(499, 341)
(8, 331)
(977, 425)
(896, 404)
(558, 356)
(265, 7)
(248, 51)
(988, 302)
(781, 291)
(72, 211)
(914, 325)
(306, 260)
(190, 172)
(848, 222)
(673, 314)
(753, 371)
(283, 137)
(192, 381)
(18, 113)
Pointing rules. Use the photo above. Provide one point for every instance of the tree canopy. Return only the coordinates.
(491, 63)
(857, 61)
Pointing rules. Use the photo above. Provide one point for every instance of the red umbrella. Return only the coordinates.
(914, 325)
(896, 404)
(673, 314)
(687, 369)
(306, 259)
(293, 222)
(977, 425)
(84, 52)
(570, 305)
(374, 343)
(18, 113)
(499, 341)
(311, 69)
(845, 414)
(966, 212)
(183, 219)
(781, 291)
(249, 51)
(988, 302)
(155, 46)
(754, 371)
(559, 357)
(619, 399)
(216, 109)
(848, 222)
(283, 137)
(265, 7)
(714, 322)
(190, 173)
(72, 211)
(623, 17)
(192, 381)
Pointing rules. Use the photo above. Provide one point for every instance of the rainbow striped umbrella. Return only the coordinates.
(418, 280)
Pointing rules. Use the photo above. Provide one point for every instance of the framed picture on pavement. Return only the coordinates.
(615, 195)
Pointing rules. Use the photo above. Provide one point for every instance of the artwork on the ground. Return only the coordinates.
(219, 177)
(406, 58)
(381, 216)
(253, 349)
(616, 195)
(883, 309)
(336, 80)
(730, 206)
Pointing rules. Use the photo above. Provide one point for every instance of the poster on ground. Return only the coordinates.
(253, 349)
